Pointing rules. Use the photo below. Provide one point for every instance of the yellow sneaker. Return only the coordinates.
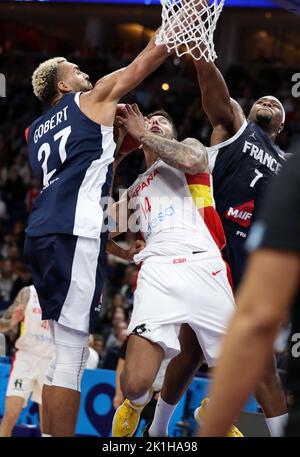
(234, 432)
(200, 414)
(127, 418)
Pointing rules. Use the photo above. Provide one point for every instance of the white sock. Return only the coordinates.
(162, 416)
(44, 435)
(276, 424)
(141, 401)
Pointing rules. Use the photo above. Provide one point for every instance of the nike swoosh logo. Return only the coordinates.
(215, 273)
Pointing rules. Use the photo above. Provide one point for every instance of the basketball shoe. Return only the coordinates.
(200, 414)
(127, 418)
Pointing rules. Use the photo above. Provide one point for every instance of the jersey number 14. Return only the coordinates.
(147, 207)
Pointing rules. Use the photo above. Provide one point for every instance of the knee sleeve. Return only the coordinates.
(69, 367)
(72, 353)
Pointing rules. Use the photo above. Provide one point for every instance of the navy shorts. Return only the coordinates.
(68, 274)
(236, 256)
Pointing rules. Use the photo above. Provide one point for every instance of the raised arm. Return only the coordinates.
(115, 85)
(189, 156)
(225, 115)
(15, 313)
(100, 103)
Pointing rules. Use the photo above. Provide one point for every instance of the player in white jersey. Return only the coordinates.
(183, 278)
(35, 349)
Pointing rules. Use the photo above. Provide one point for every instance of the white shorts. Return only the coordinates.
(176, 290)
(159, 380)
(27, 376)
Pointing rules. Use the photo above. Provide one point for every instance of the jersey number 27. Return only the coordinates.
(45, 151)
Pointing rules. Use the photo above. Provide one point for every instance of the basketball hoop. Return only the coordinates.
(188, 27)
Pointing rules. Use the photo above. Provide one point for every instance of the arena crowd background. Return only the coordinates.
(259, 51)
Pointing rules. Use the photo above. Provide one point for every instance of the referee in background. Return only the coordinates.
(268, 297)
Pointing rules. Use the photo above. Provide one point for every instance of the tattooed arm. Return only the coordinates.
(189, 156)
(15, 313)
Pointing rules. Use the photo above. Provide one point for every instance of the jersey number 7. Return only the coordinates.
(257, 177)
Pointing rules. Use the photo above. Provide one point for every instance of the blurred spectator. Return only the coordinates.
(116, 311)
(32, 193)
(117, 301)
(19, 234)
(246, 100)
(4, 155)
(107, 318)
(22, 166)
(118, 315)
(129, 285)
(7, 279)
(116, 336)
(3, 213)
(99, 346)
(113, 348)
(23, 279)
(14, 191)
(7, 245)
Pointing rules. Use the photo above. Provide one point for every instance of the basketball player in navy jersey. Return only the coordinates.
(243, 160)
(71, 151)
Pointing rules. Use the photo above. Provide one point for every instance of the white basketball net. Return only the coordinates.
(188, 27)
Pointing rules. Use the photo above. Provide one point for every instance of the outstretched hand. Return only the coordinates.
(126, 144)
(133, 120)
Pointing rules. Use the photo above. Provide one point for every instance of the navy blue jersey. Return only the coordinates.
(71, 156)
(242, 168)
